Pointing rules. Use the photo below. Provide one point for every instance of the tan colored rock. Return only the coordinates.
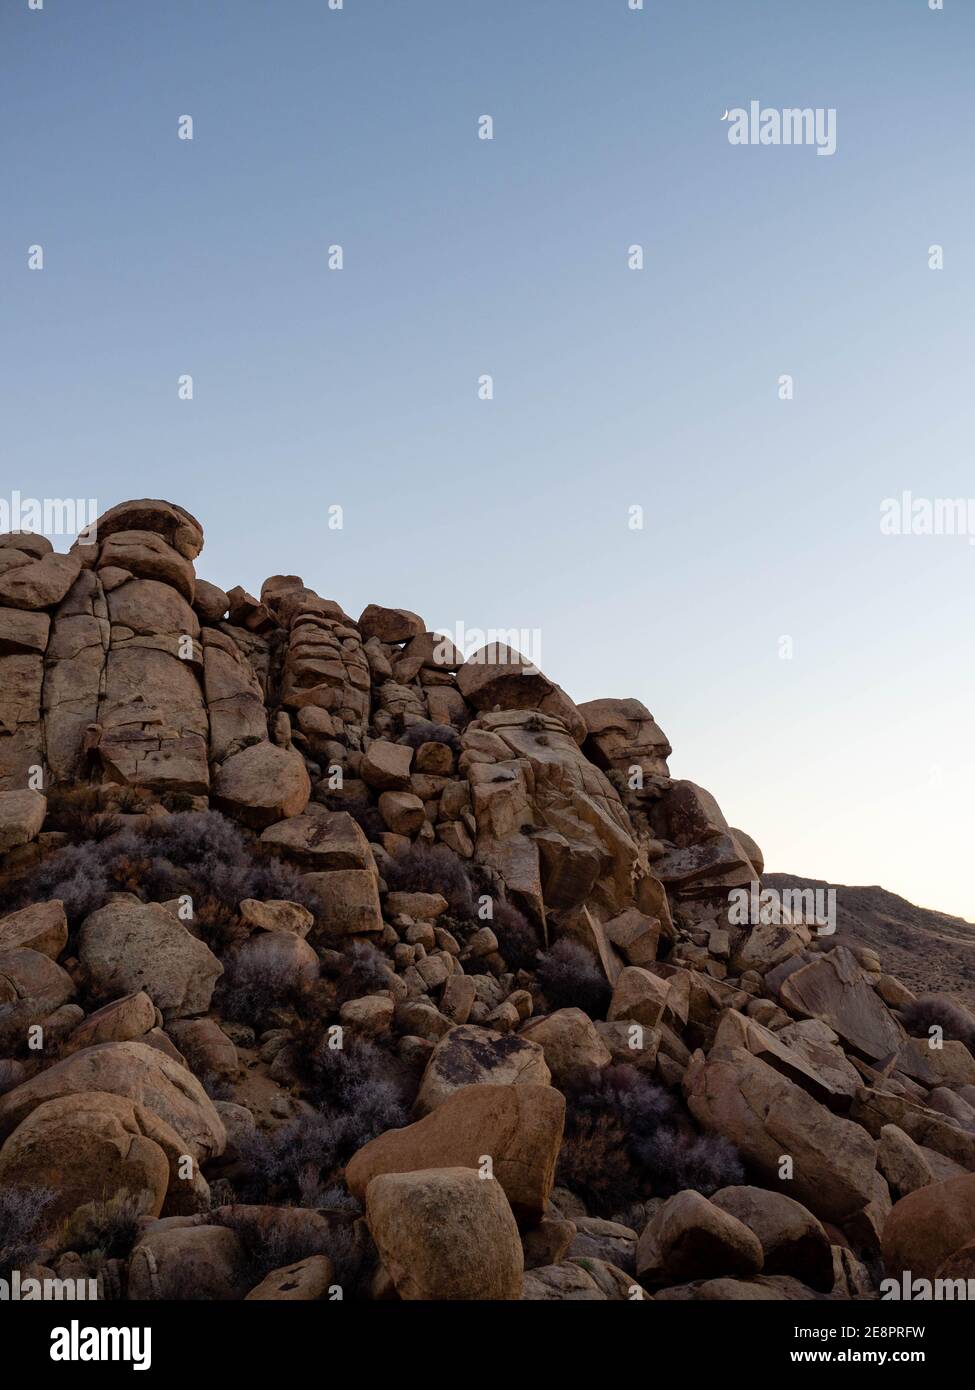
(390, 624)
(41, 927)
(386, 766)
(927, 1226)
(372, 1015)
(123, 1020)
(210, 1054)
(622, 734)
(821, 1070)
(518, 1127)
(445, 1234)
(767, 1116)
(210, 602)
(90, 1149)
(21, 818)
(174, 524)
(766, 945)
(469, 1055)
(321, 840)
(834, 988)
(306, 1281)
(950, 1064)
(755, 856)
(403, 812)
(437, 759)
(457, 1000)
(147, 555)
(276, 915)
(638, 997)
(691, 1238)
(22, 631)
(902, 1162)
(126, 947)
(350, 901)
(566, 1282)
(635, 936)
(199, 1262)
(31, 986)
(497, 676)
(569, 1041)
(262, 784)
(687, 815)
(792, 1240)
(141, 1073)
(422, 907)
(40, 583)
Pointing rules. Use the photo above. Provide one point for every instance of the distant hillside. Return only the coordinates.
(928, 950)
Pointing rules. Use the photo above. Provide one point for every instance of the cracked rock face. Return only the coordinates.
(518, 924)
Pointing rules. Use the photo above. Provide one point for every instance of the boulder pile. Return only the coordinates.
(337, 963)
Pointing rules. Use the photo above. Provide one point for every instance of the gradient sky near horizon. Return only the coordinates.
(852, 761)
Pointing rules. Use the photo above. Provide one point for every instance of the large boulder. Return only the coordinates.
(21, 818)
(350, 901)
(89, 1149)
(390, 624)
(320, 840)
(123, 1020)
(793, 1241)
(175, 524)
(262, 784)
(835, 989)
(41, 927)
(519, 1128)
(33, 978)
(498, 677)
(181, 1262)
(126, 947)
(469, 1056)
(768, 1117)
(142, 1073)
(386, 766)
(689, 1237)
(623, 734)
(927, 1226)
(445, 1234)
(569, 1041)
(38, 583)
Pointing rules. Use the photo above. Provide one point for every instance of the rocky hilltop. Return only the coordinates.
(334, 964)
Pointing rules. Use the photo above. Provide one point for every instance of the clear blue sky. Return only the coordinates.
(854, 760)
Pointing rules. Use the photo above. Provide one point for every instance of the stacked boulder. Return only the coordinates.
(493, 908)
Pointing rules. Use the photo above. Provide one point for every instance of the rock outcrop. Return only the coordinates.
(332, 957)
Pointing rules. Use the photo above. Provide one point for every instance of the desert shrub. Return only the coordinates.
(108, 1229)
(252, 989)
(432, 869)
(76, 875)
(676, 1160)
(938, 1010)
(571, 977)
(361, 1080)
(359, 1091)
(518, 940)
(626, 1138)
(363, 970)
(219, 926)
(196, 852)
(91, 812)
(22, 1226)
(293, 1163)
(428, 732)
